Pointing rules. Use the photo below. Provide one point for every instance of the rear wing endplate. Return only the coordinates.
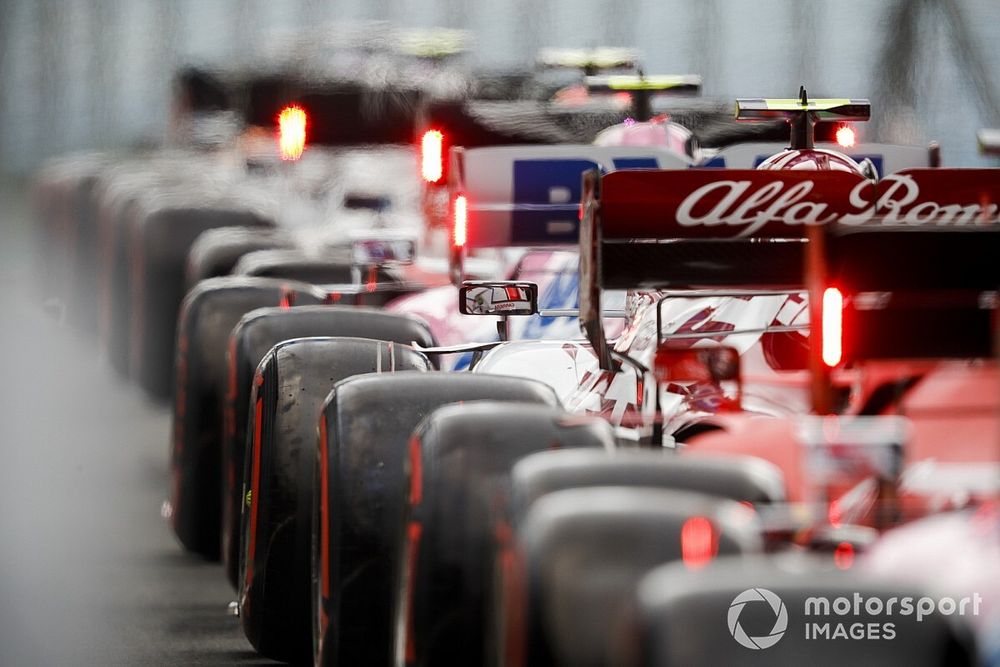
(529, 196)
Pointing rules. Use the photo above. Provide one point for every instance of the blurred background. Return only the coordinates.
(82, 74)
(83, 469)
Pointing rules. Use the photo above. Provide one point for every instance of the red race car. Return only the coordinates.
(901, 275)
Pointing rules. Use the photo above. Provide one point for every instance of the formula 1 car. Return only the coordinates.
(383, 517)
(874, 472)
(869, 331)
(489, 167)
(571, 115)
(869, 362)
(917, 430)
(129, 220)
(571, 540)
(264, 550)
(784, 315)
(502, 210)
(532, 174)
(198, 438)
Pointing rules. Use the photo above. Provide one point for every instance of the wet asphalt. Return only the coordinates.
(90, 574)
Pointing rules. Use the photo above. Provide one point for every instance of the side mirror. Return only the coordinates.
(366, 252)
(704, 373)
(501, 297)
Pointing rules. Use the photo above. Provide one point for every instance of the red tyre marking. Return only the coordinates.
(514, 603)
(416, 472)
(254, 490)
(324, 526)
(324, 531)
(415, 530)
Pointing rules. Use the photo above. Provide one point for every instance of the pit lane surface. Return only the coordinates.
(89, 572)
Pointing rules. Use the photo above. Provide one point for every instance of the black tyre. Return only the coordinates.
(62, 197)
(258, 332)
(158, 251)
(584, 551)
(294, 379)
(117, 209)
(297, 264)
(82, 239)
(209, 314)
(681, 619)
(125, 192)
(460, 462)
(217, 251)
(360, 508)
(741, 478)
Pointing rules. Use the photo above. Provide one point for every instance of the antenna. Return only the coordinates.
(803, 125)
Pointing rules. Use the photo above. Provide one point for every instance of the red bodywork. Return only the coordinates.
(951, 455)
(954, 408)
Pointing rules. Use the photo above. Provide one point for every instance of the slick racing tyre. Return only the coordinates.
(64, 203)
(681, 619)
(585, 549)
(460, 461)
(297, 264)
(159, 247)
(258, 332)
(741, 478)
(216, 252)
(208, 316)
(293, 381)
(82, 250)
(365, 431)
(118, 208)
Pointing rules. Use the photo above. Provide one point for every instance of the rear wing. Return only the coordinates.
(660, 230)
(642, 88)
(630, 83)
(912, 257)
(919, 272)
(887, 158)
(802, 114)
(588, 60)
(758, 108)
(529, 196)
(432, 43)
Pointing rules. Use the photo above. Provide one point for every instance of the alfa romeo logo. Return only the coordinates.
(780, 618)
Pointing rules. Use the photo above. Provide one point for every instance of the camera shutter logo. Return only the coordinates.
(780, 618)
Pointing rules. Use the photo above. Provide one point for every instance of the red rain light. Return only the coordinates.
(697, 542)
(432, 156)
(461, 218)
(846, 136)
(287, 298)
(843, 555)
(833, 326)
(292, 132)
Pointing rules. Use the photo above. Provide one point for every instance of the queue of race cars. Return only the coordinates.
(507, 400)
